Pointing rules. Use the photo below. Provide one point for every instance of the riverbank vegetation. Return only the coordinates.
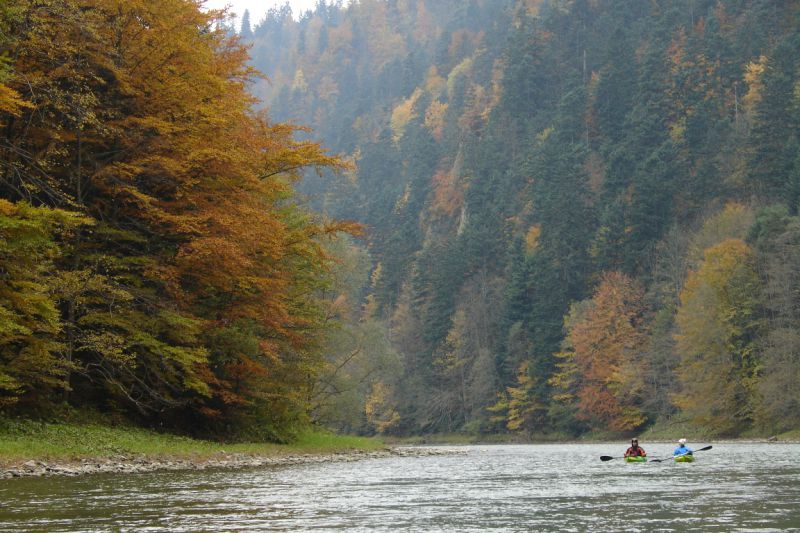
(24, 440)
(583, 215)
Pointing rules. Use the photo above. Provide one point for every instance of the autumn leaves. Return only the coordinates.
(168, 272)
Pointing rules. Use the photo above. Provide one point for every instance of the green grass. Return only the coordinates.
(793, 435)
(25, 440)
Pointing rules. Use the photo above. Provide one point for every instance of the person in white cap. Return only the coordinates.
(682, 449)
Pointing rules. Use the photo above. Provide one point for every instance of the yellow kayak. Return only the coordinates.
(684, 458)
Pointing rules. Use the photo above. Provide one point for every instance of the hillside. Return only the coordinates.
(581, 214)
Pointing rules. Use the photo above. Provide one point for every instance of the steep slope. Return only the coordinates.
(516, 158)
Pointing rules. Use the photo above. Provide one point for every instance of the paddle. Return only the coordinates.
(699, 450)
(609, 458)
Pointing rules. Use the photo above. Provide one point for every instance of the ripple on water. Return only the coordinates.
(747, 487)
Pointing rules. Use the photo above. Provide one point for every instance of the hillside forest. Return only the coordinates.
(532, 217)
(581, 215)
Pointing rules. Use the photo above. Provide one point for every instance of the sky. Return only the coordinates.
(259, 8)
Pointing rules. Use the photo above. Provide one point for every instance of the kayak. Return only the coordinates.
(635, 459)
(684, 458)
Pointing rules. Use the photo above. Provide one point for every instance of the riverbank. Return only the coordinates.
(44, 449)
(137, 464)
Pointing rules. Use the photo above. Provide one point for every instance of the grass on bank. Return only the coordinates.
(793, 436)
(678, 427)
(22, 440)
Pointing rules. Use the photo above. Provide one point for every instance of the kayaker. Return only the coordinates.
(635, 450)
(682, 449)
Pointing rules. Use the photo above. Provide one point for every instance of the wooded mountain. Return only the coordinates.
(581, 214)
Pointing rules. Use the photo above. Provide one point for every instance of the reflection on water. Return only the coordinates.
(748, 487)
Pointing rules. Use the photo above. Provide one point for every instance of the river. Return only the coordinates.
(747, 487)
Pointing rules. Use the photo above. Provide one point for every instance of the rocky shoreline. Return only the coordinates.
(130, 464)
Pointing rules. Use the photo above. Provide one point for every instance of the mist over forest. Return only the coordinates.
(533, 218)
(580, 215)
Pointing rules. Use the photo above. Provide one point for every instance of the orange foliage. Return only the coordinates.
(532, 238)
(143, 119)
(434, 119)
(447, 195)
(606, 341)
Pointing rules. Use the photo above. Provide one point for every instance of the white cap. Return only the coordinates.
(682, 441)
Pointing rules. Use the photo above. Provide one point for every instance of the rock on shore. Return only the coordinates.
(129, 464)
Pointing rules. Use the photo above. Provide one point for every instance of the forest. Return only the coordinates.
(581, 215)
(402, 217)
(155, 267)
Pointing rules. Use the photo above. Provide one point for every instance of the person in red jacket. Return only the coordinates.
(635, 450)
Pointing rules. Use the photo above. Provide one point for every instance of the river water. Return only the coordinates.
(733, 487)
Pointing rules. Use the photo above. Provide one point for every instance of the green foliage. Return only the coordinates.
(31, 364)
(565, 140)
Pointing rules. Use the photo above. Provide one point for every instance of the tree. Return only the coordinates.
(605, 341)
(719, 324)
(353, 391)
(246, 31)
(193, 299)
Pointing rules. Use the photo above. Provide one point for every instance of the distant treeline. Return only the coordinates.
(582, 214)
(154, 266)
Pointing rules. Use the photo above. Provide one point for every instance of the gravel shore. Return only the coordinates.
(129, 464)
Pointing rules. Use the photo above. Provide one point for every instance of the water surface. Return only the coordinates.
(734, 487)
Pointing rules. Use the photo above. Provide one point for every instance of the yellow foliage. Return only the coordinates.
(716, 327)
(732, 222)
(525, 409)
(754, 77)
(677, 130)
(173, 153)
(532, 238)
(379, 408)
(403, 113)
(434, 83)
(402, 202)
(10, 101)
(463, 68)
(434, 118)
(386, 43)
